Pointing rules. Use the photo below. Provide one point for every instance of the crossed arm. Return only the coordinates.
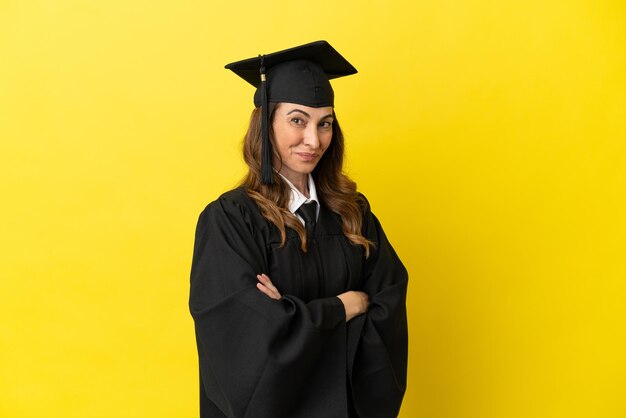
(354, 302)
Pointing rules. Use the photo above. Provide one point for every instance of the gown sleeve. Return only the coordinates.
(379, 339)
(259, 357)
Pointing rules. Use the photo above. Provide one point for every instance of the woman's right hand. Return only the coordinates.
(354, 302)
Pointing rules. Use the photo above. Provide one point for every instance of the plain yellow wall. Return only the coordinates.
(490, 138)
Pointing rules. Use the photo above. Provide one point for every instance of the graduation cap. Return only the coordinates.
(296, 75)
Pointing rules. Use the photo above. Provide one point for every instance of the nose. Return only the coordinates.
(311, 136)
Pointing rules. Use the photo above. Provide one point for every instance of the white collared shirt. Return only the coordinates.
(297, 199)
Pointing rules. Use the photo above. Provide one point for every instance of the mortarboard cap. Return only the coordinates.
(296, 75)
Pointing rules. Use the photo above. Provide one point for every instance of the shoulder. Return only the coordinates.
(371, 227)
(363, 203)
(233, 206)
(231, 200)
(238, 196)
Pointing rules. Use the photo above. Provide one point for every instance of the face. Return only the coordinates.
(301, 136)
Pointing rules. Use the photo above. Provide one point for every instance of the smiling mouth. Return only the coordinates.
(306, 156)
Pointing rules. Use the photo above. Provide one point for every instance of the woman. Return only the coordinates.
(297, 296)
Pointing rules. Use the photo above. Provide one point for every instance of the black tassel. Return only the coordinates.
(266, 146)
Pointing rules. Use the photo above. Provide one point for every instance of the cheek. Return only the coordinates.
(325, 140)
(280, 138)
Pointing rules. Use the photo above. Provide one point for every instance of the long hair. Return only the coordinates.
(334, 188)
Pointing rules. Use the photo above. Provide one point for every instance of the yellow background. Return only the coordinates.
(490, 138)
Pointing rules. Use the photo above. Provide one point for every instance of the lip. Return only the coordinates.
(306, 156)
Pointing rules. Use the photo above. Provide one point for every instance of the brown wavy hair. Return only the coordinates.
(335, 189)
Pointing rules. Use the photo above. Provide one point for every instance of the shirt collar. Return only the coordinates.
(297, 199)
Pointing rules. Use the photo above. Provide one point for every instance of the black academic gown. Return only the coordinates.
(295, 357)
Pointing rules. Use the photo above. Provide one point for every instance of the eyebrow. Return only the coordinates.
(301, 111)
(330, 115)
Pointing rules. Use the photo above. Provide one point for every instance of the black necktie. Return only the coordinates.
(308, 212)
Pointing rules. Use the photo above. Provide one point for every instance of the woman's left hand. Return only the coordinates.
(266, 286)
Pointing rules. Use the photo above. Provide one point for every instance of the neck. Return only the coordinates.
(301, 182)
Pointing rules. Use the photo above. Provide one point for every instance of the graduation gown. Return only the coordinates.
(295, 357)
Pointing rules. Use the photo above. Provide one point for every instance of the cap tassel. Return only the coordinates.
(266, 146)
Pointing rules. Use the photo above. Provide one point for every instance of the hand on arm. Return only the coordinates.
(266, 286)
(355, 303)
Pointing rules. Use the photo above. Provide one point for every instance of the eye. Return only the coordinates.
(325, 124)
(297, 121)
